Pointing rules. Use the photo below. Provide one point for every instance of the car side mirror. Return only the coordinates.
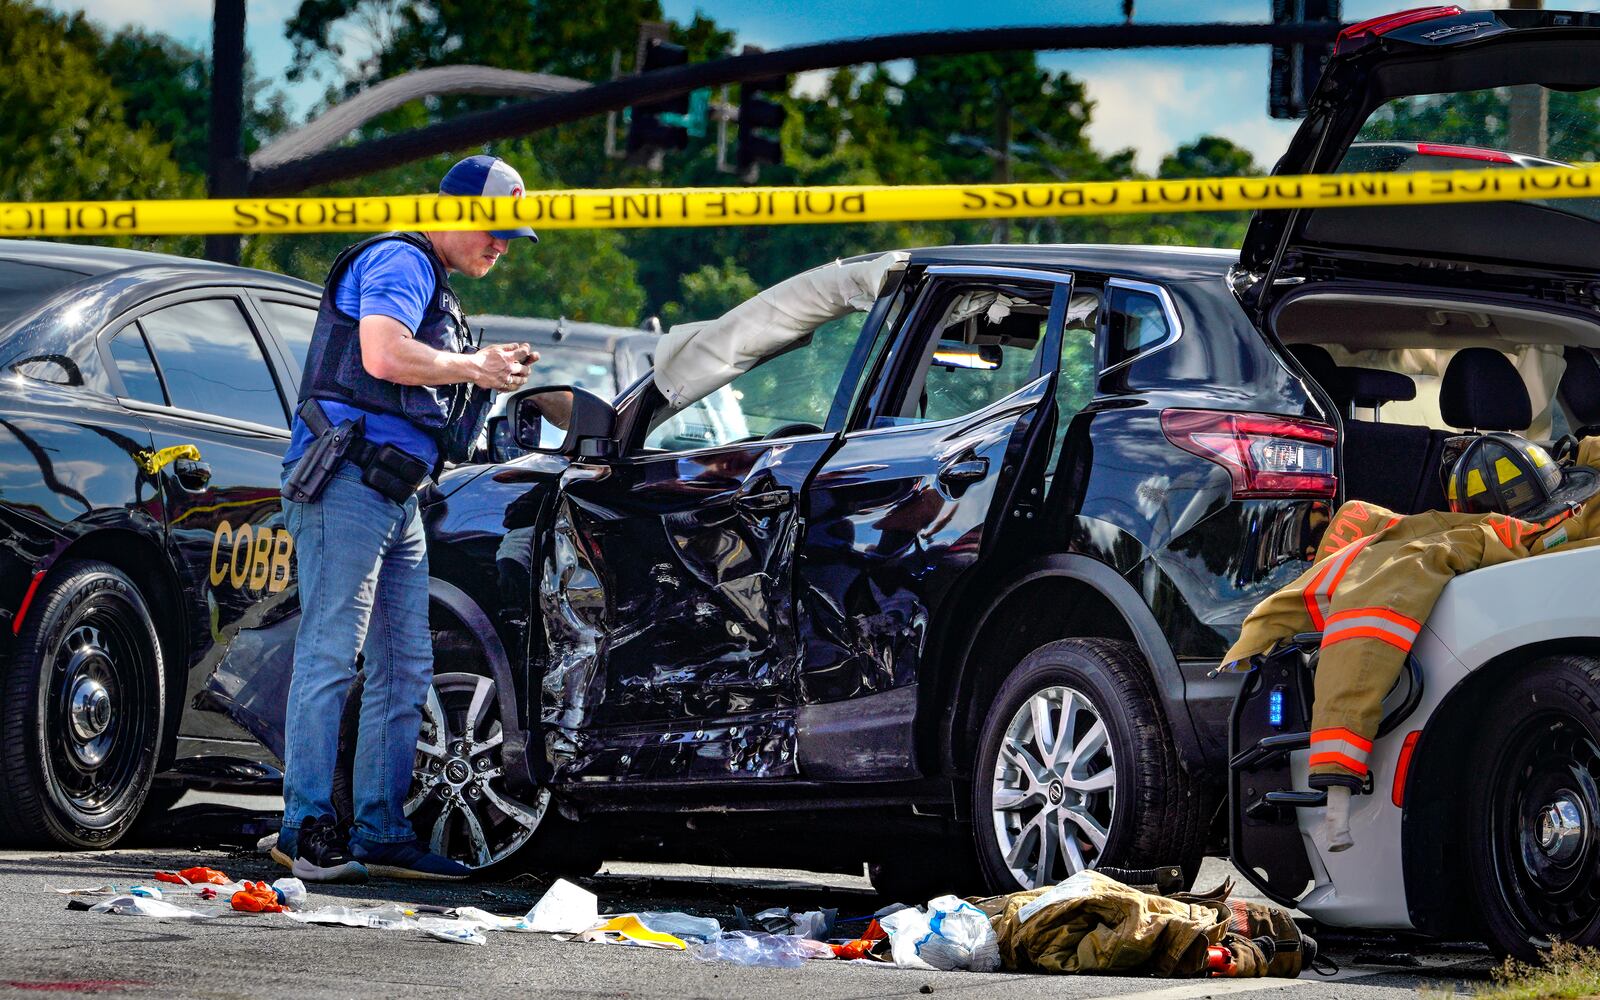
(563, 420)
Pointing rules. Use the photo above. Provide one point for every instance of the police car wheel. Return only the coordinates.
(1076, 768)
(1534, 808)
(81, 711)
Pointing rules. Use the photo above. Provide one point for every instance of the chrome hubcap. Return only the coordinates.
(1561, 830)
(1054, 787)
(89, 707)
(458, 800)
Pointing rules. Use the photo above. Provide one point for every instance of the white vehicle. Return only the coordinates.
(1484, 801)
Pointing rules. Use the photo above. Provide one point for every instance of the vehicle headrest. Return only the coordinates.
(1482, 390)
(1580, 386)
(1374, 386)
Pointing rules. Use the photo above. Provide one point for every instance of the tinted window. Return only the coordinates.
(1138, 323)
(24, 286)
(294, 324)
(984, 346)
(138, 371)
(212, 361)
(561, 365)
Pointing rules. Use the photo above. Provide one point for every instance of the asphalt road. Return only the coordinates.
(45, 948)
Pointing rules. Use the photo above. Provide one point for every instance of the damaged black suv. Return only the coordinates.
(935, 585)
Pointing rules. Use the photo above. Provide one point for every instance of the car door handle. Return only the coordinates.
(192, 475)
(765, 503)
(964, 472)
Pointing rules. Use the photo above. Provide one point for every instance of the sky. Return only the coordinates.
(1151, 100)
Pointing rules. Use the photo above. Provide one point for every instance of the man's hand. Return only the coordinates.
(503, 366)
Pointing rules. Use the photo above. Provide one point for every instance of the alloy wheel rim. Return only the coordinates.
(459, 801)
(1054, 787)
(1547, 852)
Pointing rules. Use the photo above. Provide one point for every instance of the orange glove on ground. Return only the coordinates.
(194, 876)
(257, 897)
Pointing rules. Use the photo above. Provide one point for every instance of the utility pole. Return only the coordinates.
(227, 173)
(1528, 130)
(1002, 142)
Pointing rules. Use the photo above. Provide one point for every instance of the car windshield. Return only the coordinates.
(1503, 127)
(24, 286)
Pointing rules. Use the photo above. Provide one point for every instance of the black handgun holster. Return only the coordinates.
(322, 457)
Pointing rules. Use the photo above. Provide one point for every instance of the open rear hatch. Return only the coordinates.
(1445, 89)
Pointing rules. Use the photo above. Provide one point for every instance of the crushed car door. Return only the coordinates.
(196, 367)
(910, 501)
(668, 592)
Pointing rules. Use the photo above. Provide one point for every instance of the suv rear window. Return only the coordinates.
(1502, 127)
(24, 286)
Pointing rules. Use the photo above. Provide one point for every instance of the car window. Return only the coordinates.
(981, 345)
(24, 286)
(793, 390)
(294, 324)
(138, 370)
(212, 363)
(1137, 321)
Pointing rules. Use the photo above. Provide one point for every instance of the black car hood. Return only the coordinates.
(1473, 50)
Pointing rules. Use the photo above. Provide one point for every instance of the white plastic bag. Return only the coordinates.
(564, 909)
(454, 931)
(951, 934)
(294, 892)
(141, 906)
(384, 918)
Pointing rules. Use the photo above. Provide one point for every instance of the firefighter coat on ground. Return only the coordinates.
(1093, 923)
(1376, 578)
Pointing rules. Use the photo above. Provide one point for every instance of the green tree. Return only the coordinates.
(579, 273)
(64, 129)
(710, 291)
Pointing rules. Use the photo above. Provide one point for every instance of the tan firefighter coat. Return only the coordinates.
(1376, 578)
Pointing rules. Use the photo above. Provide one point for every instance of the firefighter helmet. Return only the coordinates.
(1502, 473)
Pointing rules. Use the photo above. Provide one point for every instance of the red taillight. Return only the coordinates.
(1362, 32)
(1463, 152)
(1402, 767)
(1267, 456)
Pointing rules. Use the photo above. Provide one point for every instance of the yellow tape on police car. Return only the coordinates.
(668, 207)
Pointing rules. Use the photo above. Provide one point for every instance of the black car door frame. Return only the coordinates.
(895, 519)
(226, 538)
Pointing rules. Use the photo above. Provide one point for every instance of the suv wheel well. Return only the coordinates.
(146, 565)
(1040, 611)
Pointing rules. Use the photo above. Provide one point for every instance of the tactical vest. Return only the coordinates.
(453, 414)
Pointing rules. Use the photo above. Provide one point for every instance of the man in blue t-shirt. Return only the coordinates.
(388, 350)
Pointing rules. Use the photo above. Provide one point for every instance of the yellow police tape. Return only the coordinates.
(659, 207)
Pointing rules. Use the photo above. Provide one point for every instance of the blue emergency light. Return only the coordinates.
(1275, 708)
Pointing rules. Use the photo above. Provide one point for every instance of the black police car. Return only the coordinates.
(143, 418)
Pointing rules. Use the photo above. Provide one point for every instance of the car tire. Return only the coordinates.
(82, 702)
(1533, 808)
(1101, 785)
(447, 787)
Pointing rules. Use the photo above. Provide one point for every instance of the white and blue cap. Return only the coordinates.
(487, 177)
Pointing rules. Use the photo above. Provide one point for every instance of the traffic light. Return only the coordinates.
(1297, 68)
(760, 120)
(647, 129)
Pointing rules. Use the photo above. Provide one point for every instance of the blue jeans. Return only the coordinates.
(362, 562)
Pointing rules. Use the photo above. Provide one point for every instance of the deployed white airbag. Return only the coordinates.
(694, 360)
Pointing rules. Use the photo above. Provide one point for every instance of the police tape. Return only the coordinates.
(674, 207)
